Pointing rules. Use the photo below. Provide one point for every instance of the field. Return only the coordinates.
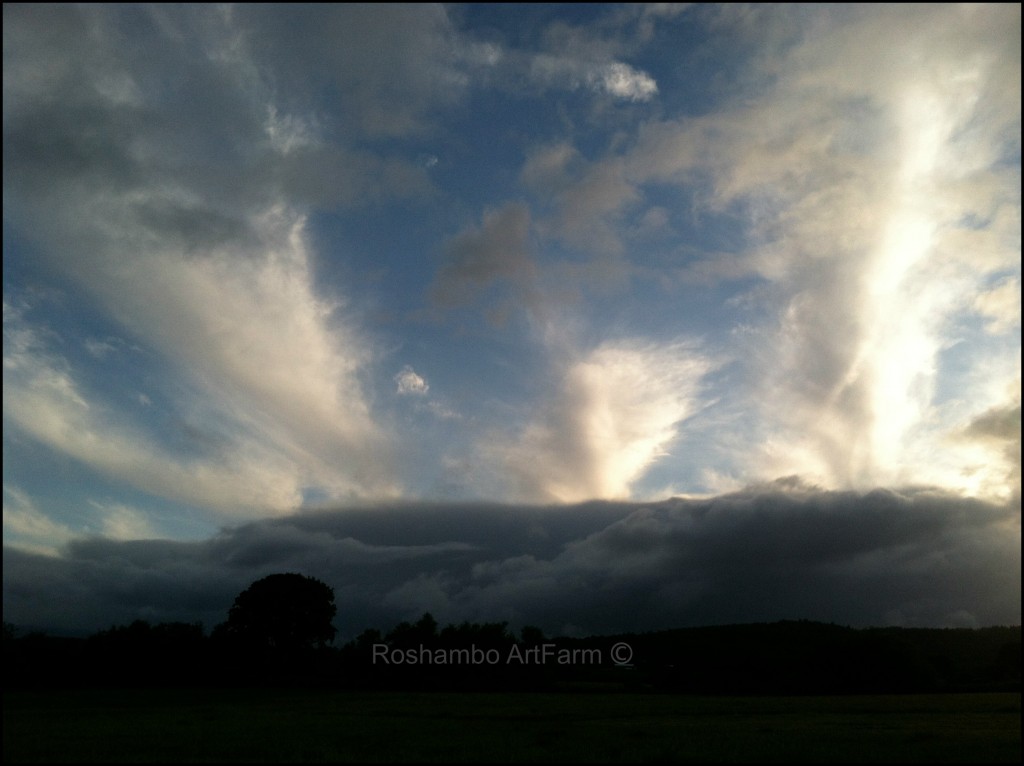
(273, 726)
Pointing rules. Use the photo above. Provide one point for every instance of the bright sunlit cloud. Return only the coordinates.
(614, 412)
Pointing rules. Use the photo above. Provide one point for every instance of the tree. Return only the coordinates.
(283, 612)
(408, 636)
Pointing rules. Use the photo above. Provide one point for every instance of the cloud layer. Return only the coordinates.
(782, 551)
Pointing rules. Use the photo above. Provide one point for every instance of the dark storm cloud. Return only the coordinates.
(912, 557)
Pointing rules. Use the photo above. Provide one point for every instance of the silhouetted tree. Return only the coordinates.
(368, 638)
(145, 654)
(285, 612)
(406, 635)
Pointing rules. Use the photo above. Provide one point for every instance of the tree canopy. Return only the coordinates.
(284, 612)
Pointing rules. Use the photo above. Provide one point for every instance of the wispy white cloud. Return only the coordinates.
(410, 383)
(613, 78)
(44, 401)
(123, 522)
(868, 196)
(28, 528)
(289, 132)
(870, 165)
(440, 410)
(101, 348)
(165, 231)
(614, 412)
(1001, 306)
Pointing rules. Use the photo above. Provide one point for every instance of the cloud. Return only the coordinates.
(996, 434)
(1002, 423)
(625, 82)
(781, 551)
(212, 107)
(411, 384)
(869, 155)
(613, 414)
(44, 401)
(166, 201)
(391, 67)
(1001, 306)
(28, 528)
(613, 78)
(863, 156)
(864, 330)
(497, 251)
(587, 202)
(123, 522)
(102, 348)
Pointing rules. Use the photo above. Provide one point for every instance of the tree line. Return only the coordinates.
(280, 631)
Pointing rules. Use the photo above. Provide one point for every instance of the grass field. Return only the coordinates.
(274, 726)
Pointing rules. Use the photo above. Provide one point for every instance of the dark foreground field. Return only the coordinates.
(240, 725)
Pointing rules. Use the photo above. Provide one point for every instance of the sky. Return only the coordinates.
(594, 317)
